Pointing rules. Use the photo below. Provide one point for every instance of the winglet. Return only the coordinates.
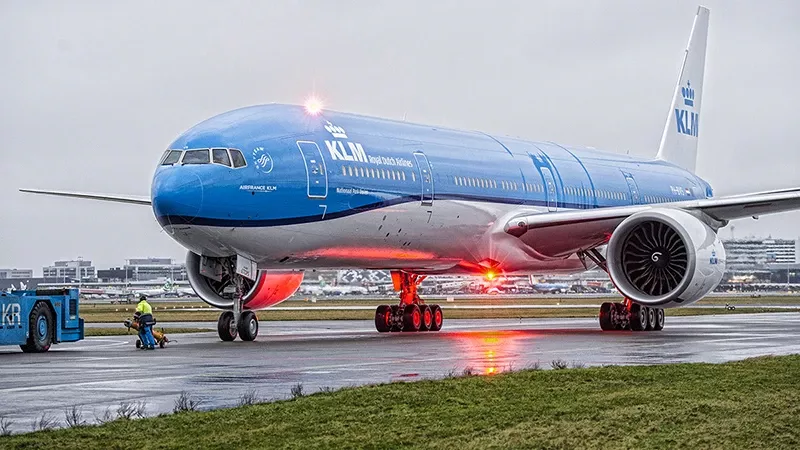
(679, 140)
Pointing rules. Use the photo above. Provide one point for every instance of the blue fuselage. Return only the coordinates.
(311, 169)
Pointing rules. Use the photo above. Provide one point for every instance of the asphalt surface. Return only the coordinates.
(98, 374)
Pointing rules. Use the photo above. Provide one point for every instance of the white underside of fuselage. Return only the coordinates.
(451, 236)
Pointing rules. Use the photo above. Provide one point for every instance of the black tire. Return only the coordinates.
(412, 318)
(660, 319)
(162, 343)
(638, 317)
(427, 317)
(226, 326)
(248, 326)
(396, 325)
(606, 322)
(651, 318)
(438, 318)
(383, 318)
(138, 343)
(40, 328)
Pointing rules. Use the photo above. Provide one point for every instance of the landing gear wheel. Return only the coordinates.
(412, 318)
(248, 326)
(438, 318)
(606, 319)
(651, 318)
(396, 325)
(138, 343)
(427, 317)
(658, 324)
(161, 343)
(226, 326)
(383, 318)
(41, 330)
(638, 317)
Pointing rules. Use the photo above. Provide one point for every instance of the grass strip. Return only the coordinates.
(748, 404)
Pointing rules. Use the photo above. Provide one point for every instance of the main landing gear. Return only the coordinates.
(627, 315)
(411, 314)
(630, 316)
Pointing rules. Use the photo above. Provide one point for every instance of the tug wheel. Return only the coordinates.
(40, 328)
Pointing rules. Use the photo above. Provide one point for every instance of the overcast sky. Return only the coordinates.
(92, 92)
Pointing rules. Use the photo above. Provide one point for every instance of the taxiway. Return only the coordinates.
(99, 373)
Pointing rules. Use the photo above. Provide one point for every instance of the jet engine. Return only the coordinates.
(665, 258)
(215, 282)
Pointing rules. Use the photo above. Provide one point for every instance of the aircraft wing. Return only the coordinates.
(589, 228)
(132, 199)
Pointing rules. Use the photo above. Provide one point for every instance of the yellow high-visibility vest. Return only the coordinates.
(144, 307)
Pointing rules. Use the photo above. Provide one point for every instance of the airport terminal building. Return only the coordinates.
(762, 260)
(78, 269)
(17, 274)
(147, 269)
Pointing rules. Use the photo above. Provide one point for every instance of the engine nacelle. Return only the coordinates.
(270, 288)
(665, 258)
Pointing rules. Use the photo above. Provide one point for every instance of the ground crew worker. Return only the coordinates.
(145, 313)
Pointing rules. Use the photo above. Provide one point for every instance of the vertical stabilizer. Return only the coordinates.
(679, 140)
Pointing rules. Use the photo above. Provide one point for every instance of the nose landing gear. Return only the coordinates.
(411, 314)
(243, 324)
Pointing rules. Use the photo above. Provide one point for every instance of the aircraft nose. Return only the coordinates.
(177, 195)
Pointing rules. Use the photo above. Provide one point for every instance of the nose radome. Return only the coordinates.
(177, 195)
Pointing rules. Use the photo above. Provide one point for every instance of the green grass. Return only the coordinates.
(121, 331)
(748, 404)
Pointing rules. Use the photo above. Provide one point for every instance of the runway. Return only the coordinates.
(99, 373)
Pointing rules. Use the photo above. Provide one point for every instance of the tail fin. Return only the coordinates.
(679, 140)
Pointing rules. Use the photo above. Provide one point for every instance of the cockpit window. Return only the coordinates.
(220, 156)
(172, 157)
(238, 159)
(196, 157)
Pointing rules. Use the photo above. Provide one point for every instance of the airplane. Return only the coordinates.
(169, 288)
(548, 288)
(259, 194)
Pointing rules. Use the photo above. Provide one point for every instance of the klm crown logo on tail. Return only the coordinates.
(688, 94)
(687, 120)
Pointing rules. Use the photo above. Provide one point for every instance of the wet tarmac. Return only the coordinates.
(98, 374)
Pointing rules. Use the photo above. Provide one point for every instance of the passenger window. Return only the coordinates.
(350, 171)
(413, 176)
(344, 170)
(171, 158)
(220, 156)
(196, 157)
(237, 158)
